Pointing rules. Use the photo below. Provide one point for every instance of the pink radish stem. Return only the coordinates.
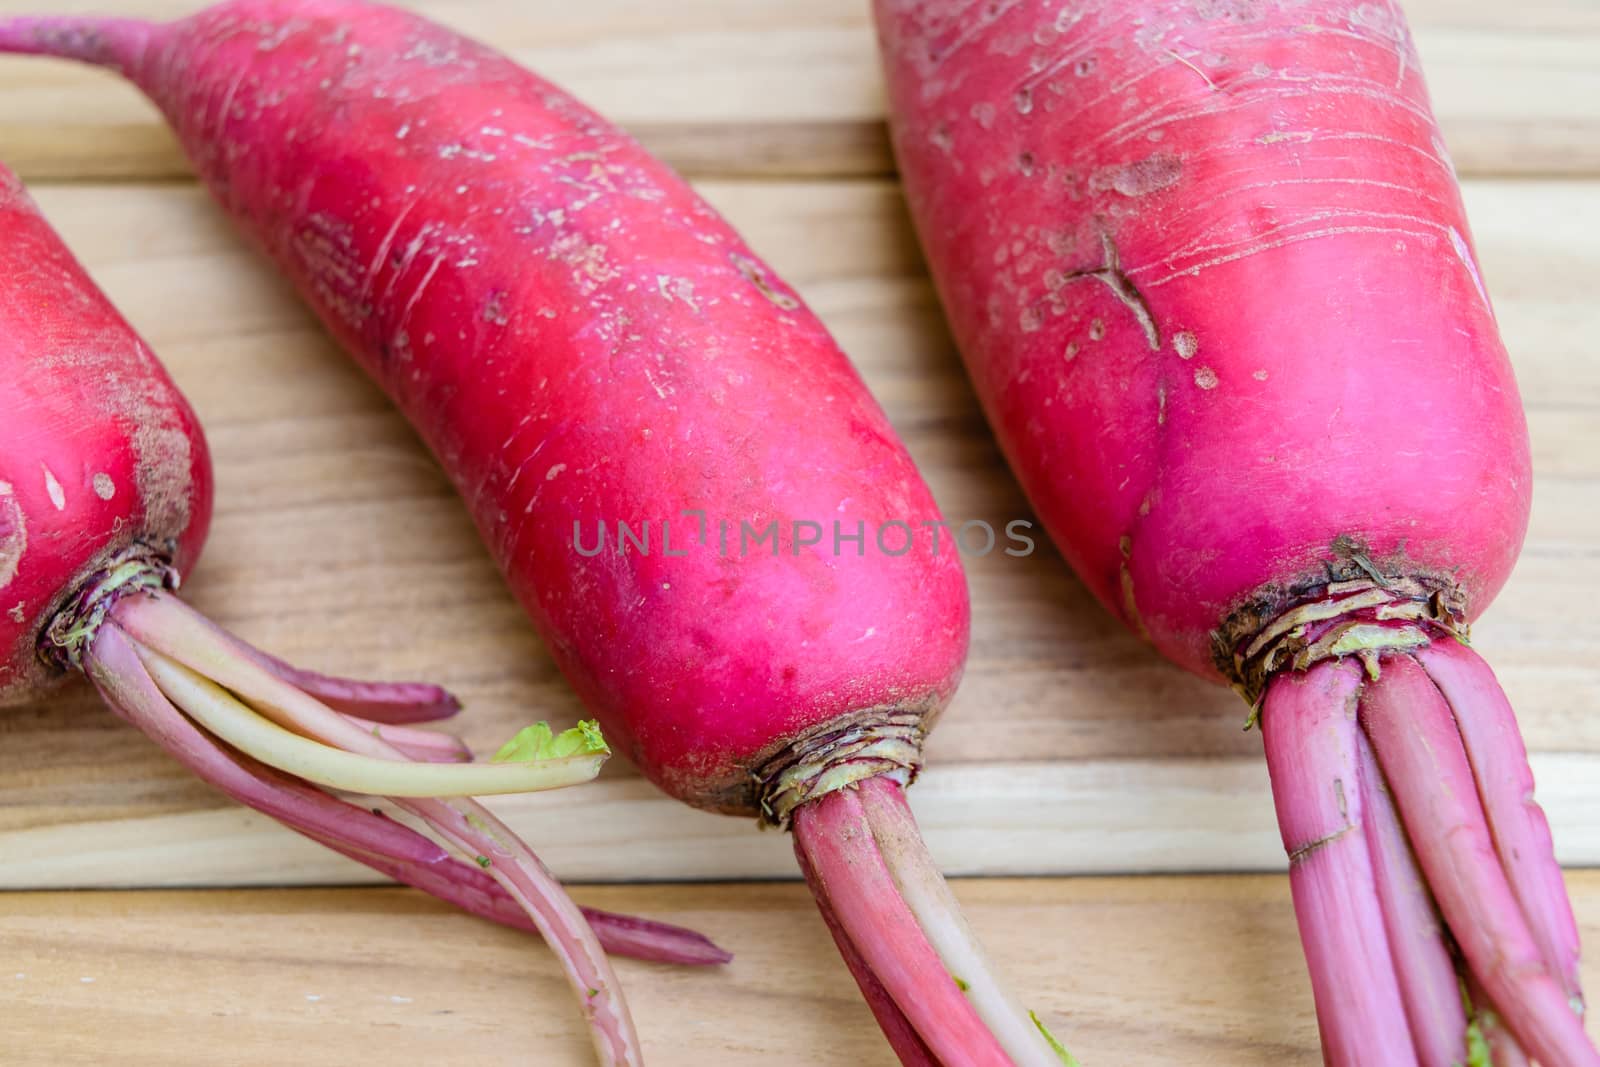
(1429, 985)
(845, 863)
(357, 832)
(470, 827)
(1521, 834)
(937, 912)
(169, 627)
(1504, 1051)
(1419, 748)
(1313, 755)
(423, 745)
(390, 703)
(646, 939)
(897, 1029)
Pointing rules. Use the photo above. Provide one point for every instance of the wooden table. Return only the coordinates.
(1071, 749)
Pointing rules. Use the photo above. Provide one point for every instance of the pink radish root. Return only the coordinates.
(1404, 795)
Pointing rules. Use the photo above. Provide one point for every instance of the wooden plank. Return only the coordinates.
(339, 544)
(773, 87)
(1128, 971)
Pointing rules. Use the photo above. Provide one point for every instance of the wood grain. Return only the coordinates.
(781, 87)
(1131, 972)
(1070, 747)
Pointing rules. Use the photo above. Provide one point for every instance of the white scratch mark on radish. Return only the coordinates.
(416, 294)
(1204, 76)
(376, 266)
(661, 391)
(677, 289)
(554, 472)
(1267, 246)
(1464, 253)
(104, 487)
(58, 496)
(13, 540)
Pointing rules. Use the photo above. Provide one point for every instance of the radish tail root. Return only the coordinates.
(900, 930)
(104, 42)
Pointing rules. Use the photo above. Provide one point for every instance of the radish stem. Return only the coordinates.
(390, 703)
(937, 912)
(1521, 834)
(167, 626)
(357, 832)
(1500, 1044)
(1309, 728)
(469, 827)
(1430, 988)
(897, 1029)
(222, 714)
(1420, 750)
(428, 746)
(844, 863)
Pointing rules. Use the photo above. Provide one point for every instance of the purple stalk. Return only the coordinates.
(1313, 755)
(1420, 750)
(1521, 834)
(1429, 984)
(391, 703)
(646, 939)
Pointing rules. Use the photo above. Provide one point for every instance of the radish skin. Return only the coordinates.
(583, 343)
(105, 494)
(1209, 269)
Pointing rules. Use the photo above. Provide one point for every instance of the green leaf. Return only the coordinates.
(1056, 1046)
(537, 742)
(1478, 1054)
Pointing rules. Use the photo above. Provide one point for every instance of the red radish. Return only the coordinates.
(105, 496)
(584, 342)
(1210, 271)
